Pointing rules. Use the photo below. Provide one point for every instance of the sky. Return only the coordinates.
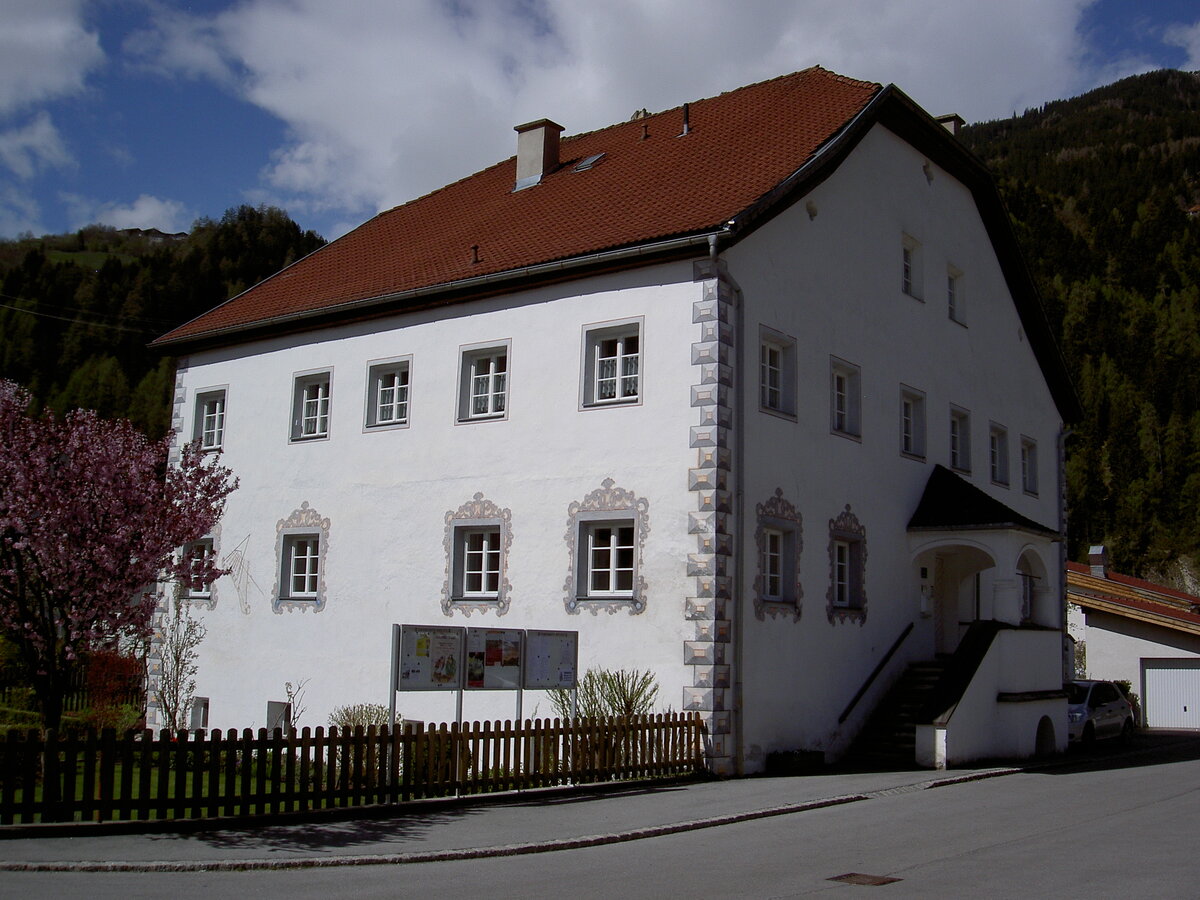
(152, 114)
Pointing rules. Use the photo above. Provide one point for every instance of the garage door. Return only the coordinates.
(1172, 692)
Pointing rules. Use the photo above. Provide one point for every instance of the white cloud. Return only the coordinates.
(1187, 37)
(33, 148)
(144, 212)
(45, 51)
(19, 212)
(385, 101)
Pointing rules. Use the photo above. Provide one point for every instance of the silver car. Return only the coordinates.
(1097, 709)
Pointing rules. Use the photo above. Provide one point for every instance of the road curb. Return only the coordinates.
(385, 859)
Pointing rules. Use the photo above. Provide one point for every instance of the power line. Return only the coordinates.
(156, 329)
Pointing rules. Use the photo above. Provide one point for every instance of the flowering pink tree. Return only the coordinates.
(91, 518)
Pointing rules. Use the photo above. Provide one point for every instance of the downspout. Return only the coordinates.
(1068, 665)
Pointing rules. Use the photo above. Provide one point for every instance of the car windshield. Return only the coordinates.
(1077, 693)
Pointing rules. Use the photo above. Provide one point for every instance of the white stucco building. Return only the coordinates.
(755, 393)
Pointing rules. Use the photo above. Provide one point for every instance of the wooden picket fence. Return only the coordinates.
(47, 777)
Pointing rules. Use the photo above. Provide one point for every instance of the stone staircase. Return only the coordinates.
(888, 740)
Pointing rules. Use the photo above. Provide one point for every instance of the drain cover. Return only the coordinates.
(860, 878)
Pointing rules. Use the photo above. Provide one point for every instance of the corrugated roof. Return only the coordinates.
(652, 184)
(1133, 598)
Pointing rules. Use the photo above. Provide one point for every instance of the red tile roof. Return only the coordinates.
(650, 185)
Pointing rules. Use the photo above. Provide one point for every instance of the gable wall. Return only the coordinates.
(832, 281)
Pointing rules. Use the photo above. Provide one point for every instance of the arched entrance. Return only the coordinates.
(949, 574)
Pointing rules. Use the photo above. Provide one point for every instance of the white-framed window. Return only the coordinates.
(209, 427)
(776, 372)
(609, 559)
(301, 547)
(311, 398)
(912, 422)
(198, 555)
(612, 363)
(301, 575)
(606, 537)
(1029, 465)
(847, 595)
(387, 393)
(845, 400)
(960, 439)
(779, 539)
(956, 301)
(477, 562)
(911, 274)
(998, 453)
(477, 541)
(483, 382)
(770, 564)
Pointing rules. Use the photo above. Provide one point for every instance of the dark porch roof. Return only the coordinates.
(951, 503)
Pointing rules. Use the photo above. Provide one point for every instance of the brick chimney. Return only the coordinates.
(1098, 560)
(537, 151)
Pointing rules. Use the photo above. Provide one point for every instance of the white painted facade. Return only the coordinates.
(824, 278)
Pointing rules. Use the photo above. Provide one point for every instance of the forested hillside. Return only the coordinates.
(76, 311)
(1102, 189)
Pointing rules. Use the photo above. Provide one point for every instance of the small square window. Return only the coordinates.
(199, 556)
(608, 559)
(776, 373)
(910, 267)
(1029, 465)
(209, 427)
(845, 402)
(301, 567)
(483, 384)
(612, 363)
(960, 439)
(912, 423)
(955, 300)
(311, 397)
(998, 453)
(477, 562)
(387, 394)
(198, 714)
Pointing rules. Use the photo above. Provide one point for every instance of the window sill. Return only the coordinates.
(915, 457)
(308, 439)
(385, 426)
(471, 420)
(848, 435)
(608, 404)
(778, 413)
(596, 603)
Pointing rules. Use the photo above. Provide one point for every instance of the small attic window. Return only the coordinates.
(587, 162)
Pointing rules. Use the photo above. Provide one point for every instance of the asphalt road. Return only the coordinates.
(1113, 826)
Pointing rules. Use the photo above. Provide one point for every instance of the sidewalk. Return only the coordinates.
(499, 826)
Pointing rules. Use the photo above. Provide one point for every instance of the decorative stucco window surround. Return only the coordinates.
(301, 529)
(478, 516)
(846, 599)
(205, 548)
(612, 509)
(779, 539)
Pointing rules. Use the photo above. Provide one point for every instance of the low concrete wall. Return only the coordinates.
(1020, 663)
